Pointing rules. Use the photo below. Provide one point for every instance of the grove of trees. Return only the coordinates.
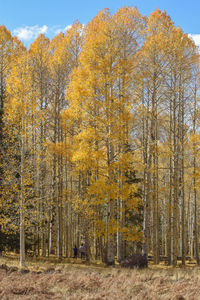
(100, 140)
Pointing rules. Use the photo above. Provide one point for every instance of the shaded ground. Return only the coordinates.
(75, 282)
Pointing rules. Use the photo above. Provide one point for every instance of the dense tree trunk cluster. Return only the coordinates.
(99, 140)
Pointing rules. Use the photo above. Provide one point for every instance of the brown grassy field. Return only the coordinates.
(75, 281)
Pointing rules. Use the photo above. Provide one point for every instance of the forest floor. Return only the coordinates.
(75, 280)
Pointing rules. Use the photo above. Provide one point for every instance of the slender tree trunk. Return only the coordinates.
(196, 238)
(22, 200)
(175, 181)
(183, 179)
(146, 179)
(169, 235)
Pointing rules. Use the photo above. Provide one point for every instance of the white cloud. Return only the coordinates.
(67, 27)
(196, 38)
(63, 29)
(28, 33)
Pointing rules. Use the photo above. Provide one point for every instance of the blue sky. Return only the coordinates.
(28, 18)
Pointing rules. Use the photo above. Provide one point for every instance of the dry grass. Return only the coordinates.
(55, 280)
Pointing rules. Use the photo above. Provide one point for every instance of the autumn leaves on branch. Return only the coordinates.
(99, 139)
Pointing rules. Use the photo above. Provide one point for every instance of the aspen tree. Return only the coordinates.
(18, 83)
(65, 49)
(181, 54)
(99, 134)
(194, 141)
(39, 66)
(6, 47)
(100, 102)
(154, 66)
